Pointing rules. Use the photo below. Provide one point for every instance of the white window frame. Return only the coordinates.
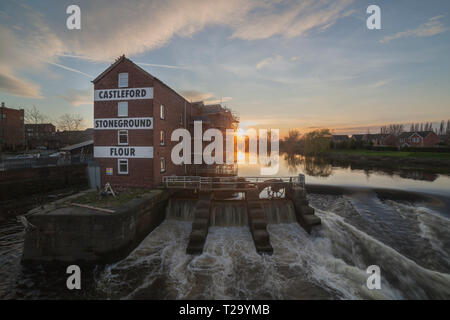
(118, 166)
(162, 134)
(124, 105)
(162, 163)
(162, 112)
(118, 138)
(121, 76)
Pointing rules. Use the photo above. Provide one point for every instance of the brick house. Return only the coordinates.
(39, 134)
(390, 140)
(377, 139)
(418, 139)
(135, 114)
(339, 138)
(11, 128)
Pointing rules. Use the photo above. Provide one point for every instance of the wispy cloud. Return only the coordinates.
(70, 69)
(102, 60)
(77, 97)
(268, 61)
(162, 65)
(206, 97)
(110, 29)
(296, 19)
(193, 95)
(18, 87)
(432, 27)
(277, 60)
(380, 83)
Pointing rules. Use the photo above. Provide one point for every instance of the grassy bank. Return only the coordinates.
(392, 154)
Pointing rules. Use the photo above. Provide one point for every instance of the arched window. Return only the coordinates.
(162, 137)
(162, 112)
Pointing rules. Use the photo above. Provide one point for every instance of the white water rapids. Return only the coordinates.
(328, 264)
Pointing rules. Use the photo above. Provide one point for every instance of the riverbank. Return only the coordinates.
(393, 154)
(433, 162)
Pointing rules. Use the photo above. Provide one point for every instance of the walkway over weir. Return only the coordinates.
(236, 184)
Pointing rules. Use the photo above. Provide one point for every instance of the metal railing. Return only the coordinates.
(230, 183)
(218, 170)
(187, 182)
(11, 164)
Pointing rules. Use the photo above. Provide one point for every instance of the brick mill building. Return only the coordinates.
(134, 117)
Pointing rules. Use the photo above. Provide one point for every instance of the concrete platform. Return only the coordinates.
(62, 233)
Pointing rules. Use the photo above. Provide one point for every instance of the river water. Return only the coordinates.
(408, 239)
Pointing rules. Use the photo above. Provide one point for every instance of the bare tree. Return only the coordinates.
(395, 129)
(70, 122)
(34, 116)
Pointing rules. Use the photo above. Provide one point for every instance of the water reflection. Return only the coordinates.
(319, 170)
(312, 166)
(321, 167)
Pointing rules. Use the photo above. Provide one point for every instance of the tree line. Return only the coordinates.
(312, 143)
(397, 129)
(66, 122)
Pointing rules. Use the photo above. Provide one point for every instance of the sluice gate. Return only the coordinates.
(253, 188)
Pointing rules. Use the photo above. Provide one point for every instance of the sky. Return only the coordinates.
(295, 64)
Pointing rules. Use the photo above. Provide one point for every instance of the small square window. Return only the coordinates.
(123, 80)
(122, 109)
(122, 166)
(123, 137)
(163, 164)
(162, 112)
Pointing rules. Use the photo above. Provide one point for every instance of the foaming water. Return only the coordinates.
(330, 263)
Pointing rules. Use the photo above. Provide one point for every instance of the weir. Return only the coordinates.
(210, 188)
(72, 232)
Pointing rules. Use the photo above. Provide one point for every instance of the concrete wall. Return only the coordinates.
(25, 182)
(73, 234)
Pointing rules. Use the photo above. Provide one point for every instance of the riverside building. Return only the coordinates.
(134, 117)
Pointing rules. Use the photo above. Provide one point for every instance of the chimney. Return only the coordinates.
(3, 104)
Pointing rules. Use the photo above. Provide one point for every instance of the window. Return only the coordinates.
(123, 137)
(162, 112)
(162, 137)
(181, 118)
(123, 80)
(122, 166)
(122, 109)
(163, 164)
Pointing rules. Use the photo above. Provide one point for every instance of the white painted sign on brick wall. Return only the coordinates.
(123, 152)
(123, 123)
(123, 94)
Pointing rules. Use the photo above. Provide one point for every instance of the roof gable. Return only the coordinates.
(118, 61)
